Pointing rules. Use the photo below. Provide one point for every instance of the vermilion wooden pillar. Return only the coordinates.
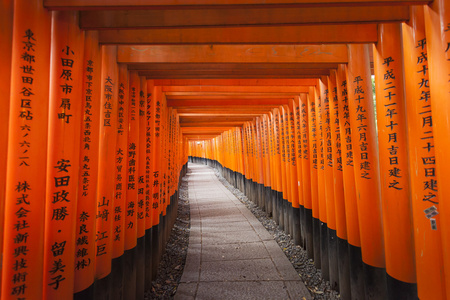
(254, 161)
(284, 185)
(395, 195)
(168, 145)
(267, 167)
(255, 142)
(426, 214)
(343, 138)
(236, 153)
(284, 111)
(172, 154)
(233, 152)
(289, 183)
(218, 146)
(273, 165)
(260, 123)
(282, 169)
(294, 217)
(365, 154)
(266, 164)
(339, 200)
(132, 155)
(63, 155)
(437, 18)
(164, 190)
(351, 207)
(255, 151)
(247, 153)
(156, 175)
(296, 165)
(175, 166)
(164, 166)
(222, 142)
(277, 156)
(140, 204)
(313, 141)
(163, 179)
(284, 196)
(85, 251)
(105, 190)
(240, 145)
(306, 173)
(148, 185)
(259, 149)
(250, 159)
(28, 72)
(249, 166)
(329, 185)
(6, 30)
(321, 196)
(120, 187)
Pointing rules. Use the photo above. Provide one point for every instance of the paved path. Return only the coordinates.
(231, 255)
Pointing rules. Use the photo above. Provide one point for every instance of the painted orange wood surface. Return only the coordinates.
(321, 196)
(295, 148)
(259, 159)
(174, 3)
(277, 150)
(427, 227)
(233, 81)
(148, 156)
(246, 16)
(88, 174)
(121, 163)
(280, 151)
(132, 155)
(108, 139)
(313, 141)
(273, 166)
(348, 164)
(63, 155)
(336, 142)
(437, 18)
(308, 34)
(306, 153)
(237, 82)
(395, 191)
(362, 120)
(141, 207)
(164, 146)
(328, 155)
(27, 149)
(6, 31)
(266, 151)
(291, 178)
(156, 144)
(285, 160)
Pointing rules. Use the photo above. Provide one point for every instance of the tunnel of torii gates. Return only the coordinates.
(104, 102)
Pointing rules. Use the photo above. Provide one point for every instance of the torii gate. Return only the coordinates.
(105, 101)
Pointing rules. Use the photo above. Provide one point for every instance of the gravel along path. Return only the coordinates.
(172, 264)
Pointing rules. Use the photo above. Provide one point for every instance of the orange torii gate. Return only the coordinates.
(345, 104)
(96, 134)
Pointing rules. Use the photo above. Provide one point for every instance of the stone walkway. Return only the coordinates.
(231, 255)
